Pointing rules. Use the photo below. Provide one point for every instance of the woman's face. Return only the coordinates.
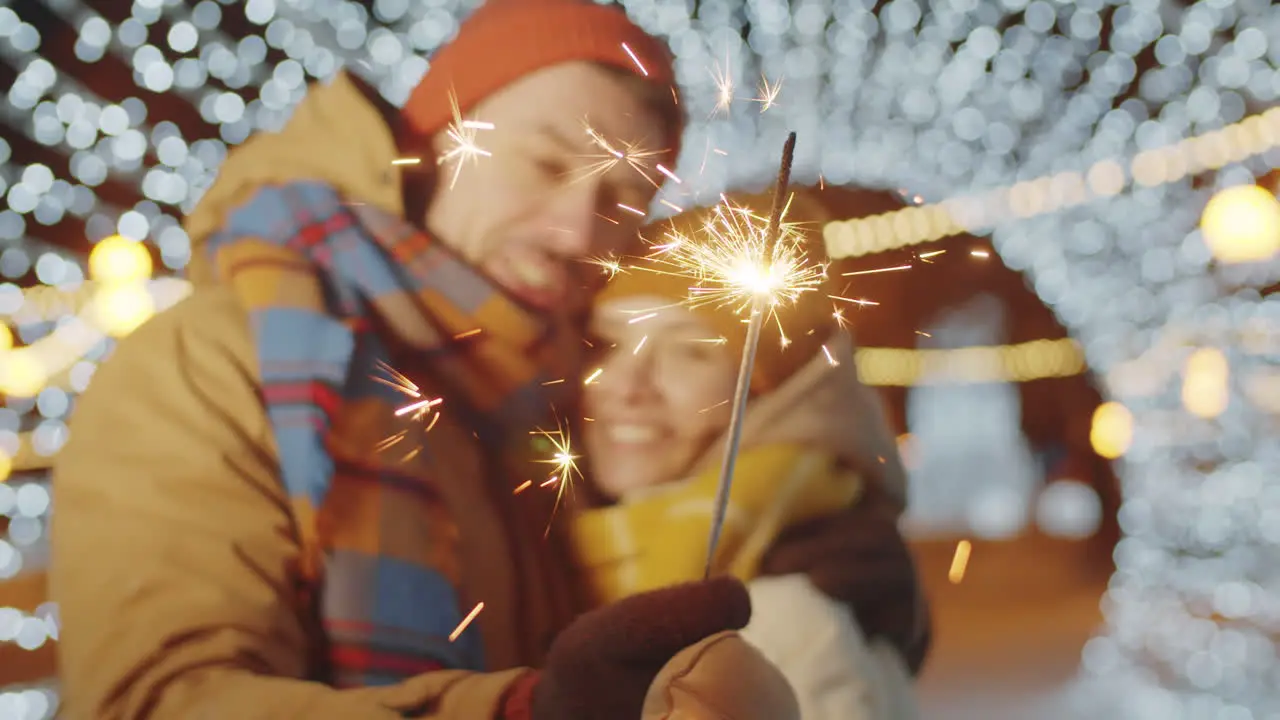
(658, 394)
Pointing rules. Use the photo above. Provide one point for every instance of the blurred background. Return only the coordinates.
(1057, 220)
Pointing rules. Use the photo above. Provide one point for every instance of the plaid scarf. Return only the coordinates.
(325, 283)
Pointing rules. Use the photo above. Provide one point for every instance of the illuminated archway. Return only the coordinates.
(926, 95)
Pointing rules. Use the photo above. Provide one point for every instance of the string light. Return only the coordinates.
(1023, 362)
(1242, 224)
(1211, 151)
(959, 562)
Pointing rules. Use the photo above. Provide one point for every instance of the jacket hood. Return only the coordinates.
(337, 135)
(825, 406)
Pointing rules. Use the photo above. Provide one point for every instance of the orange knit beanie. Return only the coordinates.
(504, 40)
(808, 323)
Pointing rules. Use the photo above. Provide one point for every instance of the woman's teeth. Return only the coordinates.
(633, 434)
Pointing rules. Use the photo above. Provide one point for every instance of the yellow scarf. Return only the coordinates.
(659, 538)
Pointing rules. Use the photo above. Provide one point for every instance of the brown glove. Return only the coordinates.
(722, 677)
(601, 666)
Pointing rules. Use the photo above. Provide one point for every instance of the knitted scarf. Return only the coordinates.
(325, 284)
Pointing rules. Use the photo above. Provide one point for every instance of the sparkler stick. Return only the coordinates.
(741, 391)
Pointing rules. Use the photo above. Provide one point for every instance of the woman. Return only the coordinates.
(814, 442)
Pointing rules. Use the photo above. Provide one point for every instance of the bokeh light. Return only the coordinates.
(117, 259)
(1205, 383)
(119, 310)
(1242, 224)
(1111, 432)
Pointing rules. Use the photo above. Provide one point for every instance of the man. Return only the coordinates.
(248, 527)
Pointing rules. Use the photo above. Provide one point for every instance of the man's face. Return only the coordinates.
(533, 213)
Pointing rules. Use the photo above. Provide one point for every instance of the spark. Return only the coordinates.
(980, 253)
(730, 262)
(718, 151)
(640, 345)
(564, 462)
(627, 49)
(595, 374)
(468, 333)
(723, 79)
(419, 408)
(553, 382)
(925, 256)
(672, 205)
(925, 334)
(462, 133)
(397, 381)
(895, 268)
(768, 96)
(564, 465)
(609, 266)
(830, 360)
(633, 211)
(390, 441)
(709, 408)
(613, 153)
(642, 318)
(406, 161)
(838, 315)
(400, 383)
(959, 562)
(855, 301)
(466, 621)
(522, 487)
(712, 341)
(663, 169)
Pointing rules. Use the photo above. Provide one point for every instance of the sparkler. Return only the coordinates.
(724, 88)
(768, 93)
(738, 260)
(419, 409)
(633, 154)
(564, 462)
(462, 133)
(762, 301)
